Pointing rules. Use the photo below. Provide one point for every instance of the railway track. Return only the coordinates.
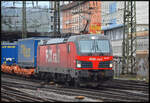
(116, 83)
(135, 82)
(31, 90)
(13, 95)
(129, 86)
(104, 93)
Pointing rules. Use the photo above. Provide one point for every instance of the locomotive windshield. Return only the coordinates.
(94, 46)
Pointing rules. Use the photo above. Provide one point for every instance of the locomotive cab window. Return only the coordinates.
(102, 46)
(86, 46)
(68, 48)
(94, 46)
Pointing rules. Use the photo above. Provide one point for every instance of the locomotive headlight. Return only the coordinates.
(78, 64)
(93, 37)
(110, 65)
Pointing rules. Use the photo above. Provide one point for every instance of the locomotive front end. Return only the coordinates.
(94, 61)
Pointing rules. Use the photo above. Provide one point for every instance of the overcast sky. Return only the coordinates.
(29, 3)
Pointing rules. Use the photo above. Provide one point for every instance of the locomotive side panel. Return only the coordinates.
(41, 55)
(53, 58)
(72, 55)
(62, 55)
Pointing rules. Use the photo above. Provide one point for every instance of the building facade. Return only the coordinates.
(112, 25)
(112, 18)
(76, 14)
(37, 19)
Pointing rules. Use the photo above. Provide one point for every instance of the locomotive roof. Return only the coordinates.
(87, 36)
(71, 38)
(51, 41)
(35, 38)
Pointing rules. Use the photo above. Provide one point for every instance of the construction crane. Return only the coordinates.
(129, 38)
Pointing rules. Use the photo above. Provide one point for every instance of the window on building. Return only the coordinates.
(121, 32)
(75, 19)
(113, 21)
(112, 7)
(93, 3)
(117, 34)
(108, 34)
(66, 14)
(52, 4)
(52, 18)
(52, 27)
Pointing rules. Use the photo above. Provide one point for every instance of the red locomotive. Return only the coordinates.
(80, 59)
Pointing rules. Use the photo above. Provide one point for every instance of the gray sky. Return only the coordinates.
(29, 3)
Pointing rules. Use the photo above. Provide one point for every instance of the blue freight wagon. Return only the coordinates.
(27, 51)
(9, 53)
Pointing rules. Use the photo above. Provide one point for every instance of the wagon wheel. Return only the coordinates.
(40, 75)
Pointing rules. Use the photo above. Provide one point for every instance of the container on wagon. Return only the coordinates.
(9, 54)
(27, 51)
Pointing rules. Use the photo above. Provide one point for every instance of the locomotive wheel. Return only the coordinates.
(68, 80)
(67, 84)
(76, 83)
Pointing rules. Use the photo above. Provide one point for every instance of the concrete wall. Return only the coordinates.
(142, 65)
